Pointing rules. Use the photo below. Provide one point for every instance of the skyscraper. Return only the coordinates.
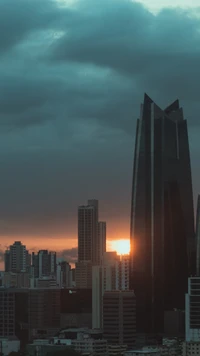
(101, 239)
(162, 221)
(17, 258)
(88, 232)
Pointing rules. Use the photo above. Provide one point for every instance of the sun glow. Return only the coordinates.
(122, 247)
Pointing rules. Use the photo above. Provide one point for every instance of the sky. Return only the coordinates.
(73, 75)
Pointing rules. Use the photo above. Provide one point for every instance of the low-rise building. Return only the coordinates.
(8, 345)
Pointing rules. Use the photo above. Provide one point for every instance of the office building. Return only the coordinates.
(112, 274)
(122, 266)
(191, 346)
(76, 308)
(192, 310)
(103, 278)
(17, 258)
(44, 263)
(161, 214)
(83, 274)
(44, 312)
(7, 313)
(63, 274)
(88, 232)
(119, 317)
(101, 239)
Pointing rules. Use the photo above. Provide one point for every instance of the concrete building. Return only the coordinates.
(192, 310)
(88, 232)
(103, 279)
(122, 272)
(191, 346)
(63, 274)
(44, 312)
(8, 345)
(101, 239)
(76, 308)
(119, 317)
(17, 280)
(82, 340)
(44, 263)
(7, 313)
(17, 258)
(112, 274)
(83, 274)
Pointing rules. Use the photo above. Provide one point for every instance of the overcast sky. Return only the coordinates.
(73, 74)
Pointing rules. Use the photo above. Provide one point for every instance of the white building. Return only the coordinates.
(122, 272)
(112, 274)
(191, 346)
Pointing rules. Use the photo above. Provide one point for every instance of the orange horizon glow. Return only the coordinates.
(122, 246)
(60, 243)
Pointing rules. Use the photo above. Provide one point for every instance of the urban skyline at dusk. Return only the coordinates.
(68, 117)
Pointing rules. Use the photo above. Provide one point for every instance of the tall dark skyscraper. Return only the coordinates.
(162, 217)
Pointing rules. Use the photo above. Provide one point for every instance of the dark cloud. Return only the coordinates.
(20, 18)
(72, 79)
(70, 255)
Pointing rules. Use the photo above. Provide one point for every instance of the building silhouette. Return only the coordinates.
(162, 221)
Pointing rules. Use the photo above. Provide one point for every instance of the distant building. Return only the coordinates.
(119, 317)
(76, 308)
(83, 341)
(44, 312)
(9, 345)
(63, 274)
(112, 274)
(83, 274)
(44, 263)
(17, 258)
(17, 280)
(7, 313)
(101, 239)
(88, 232)
(191, 346)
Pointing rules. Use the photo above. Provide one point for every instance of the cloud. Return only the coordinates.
(72, 79)
(70, 255)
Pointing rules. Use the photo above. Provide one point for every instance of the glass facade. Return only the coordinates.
(162, 217)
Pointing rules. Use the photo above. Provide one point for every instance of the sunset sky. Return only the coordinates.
(73, 74)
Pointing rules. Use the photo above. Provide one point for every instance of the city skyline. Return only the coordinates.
(73, 115)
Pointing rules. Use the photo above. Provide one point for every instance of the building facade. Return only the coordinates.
(7, 313)
(88, 232)
(161, 214)
(119, 317)
(17, 258)
(44, 312)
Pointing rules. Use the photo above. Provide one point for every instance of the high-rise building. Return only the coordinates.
(7, 313)
(44, 263)
(101, 239)
(17, 258)
(63, 274)
(162, 222)
(44, 312)
(119, 317)
(191, 346)
(88, 232)
(112, 274)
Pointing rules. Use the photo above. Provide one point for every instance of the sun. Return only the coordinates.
(122, 247)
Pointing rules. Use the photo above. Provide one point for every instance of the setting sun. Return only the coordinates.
(122, 247)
